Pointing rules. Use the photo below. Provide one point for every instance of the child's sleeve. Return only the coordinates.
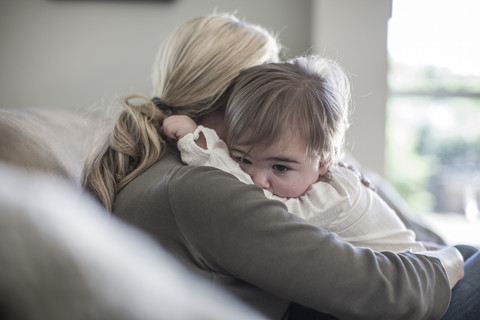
(354, 212)
(369, 221)
(216, 155)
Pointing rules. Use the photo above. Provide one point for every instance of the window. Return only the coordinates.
(433, 126)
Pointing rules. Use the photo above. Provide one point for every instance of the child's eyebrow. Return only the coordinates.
(239, 151)
(283, 159)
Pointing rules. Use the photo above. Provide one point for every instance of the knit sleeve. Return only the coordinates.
(232, 230)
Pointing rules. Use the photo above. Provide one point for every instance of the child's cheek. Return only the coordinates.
(291, 189)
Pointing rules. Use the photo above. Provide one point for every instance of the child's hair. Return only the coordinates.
(306, 96)
(192, 71)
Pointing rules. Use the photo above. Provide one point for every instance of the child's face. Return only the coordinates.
(283, 168)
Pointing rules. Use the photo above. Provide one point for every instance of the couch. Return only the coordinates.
(63, 257)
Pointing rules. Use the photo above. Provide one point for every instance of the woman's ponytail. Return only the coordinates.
(136, 143)
(194, 67)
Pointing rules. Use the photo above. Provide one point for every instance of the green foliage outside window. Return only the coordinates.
(433, 135)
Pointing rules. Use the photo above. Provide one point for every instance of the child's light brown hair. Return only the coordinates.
(306, 96)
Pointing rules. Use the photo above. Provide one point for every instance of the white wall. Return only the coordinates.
(355, 33)
(74, 53)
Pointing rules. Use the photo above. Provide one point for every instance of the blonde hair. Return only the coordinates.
(193, 68)
(307, 96)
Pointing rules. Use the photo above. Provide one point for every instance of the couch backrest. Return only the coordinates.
(63, 257)
(53, 140)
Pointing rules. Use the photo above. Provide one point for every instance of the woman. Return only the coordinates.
(228, 231)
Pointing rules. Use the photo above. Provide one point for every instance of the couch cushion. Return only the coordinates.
(51, 139)
(63, 257)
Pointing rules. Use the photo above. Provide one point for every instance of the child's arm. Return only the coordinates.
(369, 221)
(201, 146)
(178, 126)
(354, 212)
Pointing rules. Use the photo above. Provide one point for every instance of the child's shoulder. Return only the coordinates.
(349, 178)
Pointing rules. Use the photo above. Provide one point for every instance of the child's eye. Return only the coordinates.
(242, 160)
(280, 168)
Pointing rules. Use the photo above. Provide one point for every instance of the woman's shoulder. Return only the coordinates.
(189, 180)
(172, 165)
(177, 188)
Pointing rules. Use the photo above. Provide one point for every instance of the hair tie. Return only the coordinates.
(160, 104)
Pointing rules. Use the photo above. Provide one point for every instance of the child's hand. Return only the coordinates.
(177, 126)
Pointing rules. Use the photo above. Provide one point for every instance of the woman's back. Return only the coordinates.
(229, 233)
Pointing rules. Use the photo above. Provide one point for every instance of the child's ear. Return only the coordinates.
(322, 168)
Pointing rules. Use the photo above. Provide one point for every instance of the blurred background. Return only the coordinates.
(414, 68)
(432, 151)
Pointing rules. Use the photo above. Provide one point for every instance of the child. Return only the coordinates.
(285, 125)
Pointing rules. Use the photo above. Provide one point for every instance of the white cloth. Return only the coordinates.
(343, 205)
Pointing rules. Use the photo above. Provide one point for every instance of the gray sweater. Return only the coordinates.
(229, 233)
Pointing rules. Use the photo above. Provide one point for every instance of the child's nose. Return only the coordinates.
(261, 179)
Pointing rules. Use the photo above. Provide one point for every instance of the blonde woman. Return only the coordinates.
(228, 231)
